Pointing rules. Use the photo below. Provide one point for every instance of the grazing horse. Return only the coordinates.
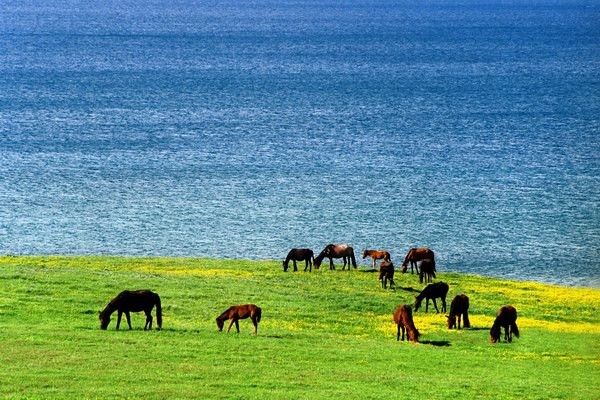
(507, 319)
(376, 255)
(427, 272)
(336, 251)
(305, 255)
(415, 255)
(132, 301)
(386, 272)
(403, 318)
(433, 291)
(459, 307)
(235, 313)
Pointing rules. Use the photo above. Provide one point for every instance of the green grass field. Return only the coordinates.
(325, 334)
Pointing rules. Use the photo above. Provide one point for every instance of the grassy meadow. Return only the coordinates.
(325, 334)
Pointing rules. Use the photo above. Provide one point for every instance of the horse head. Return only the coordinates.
(104, 320)
(417, 304)
(364, 253)
(451, 321)
(285, 265)
(220, 324)
(404, 267)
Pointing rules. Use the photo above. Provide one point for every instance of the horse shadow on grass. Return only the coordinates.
(437, 343)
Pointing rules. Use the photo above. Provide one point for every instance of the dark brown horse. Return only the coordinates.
(433, 291)
(132, 301)
(305, 255)
(376, 255)
(235, 313)
(459, 307)
(403, 318)
(427, 272)
(507, 319)
(386, 272)
(336, 251)
(415, 255)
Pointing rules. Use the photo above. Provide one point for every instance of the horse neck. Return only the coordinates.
(109, 309)
(224, 316)
(408, 256)
(321, 256)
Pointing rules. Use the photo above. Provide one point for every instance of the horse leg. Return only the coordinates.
(435, 305)
(398, 337)
(119, 319)
(148, 325)
(509, 333)
(237, 325)
(128, 319)
(230, 324)
(427, 304)
(255, 325)
(443, 304)
(403, 333)
(331, 266)
(295, 268)
(459, 316)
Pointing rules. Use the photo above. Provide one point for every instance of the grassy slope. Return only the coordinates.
(325, 334)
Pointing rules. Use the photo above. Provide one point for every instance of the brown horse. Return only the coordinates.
(507, 319)
(376, 255)
(433, 291)
(235, 313)
(415, 255)
(386, 272)
(403, 318)
(132, 301)
(336, 251)
(427, 272)
(305, 255)
(459, 307)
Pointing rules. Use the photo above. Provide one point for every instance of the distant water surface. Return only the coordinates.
(242, 129)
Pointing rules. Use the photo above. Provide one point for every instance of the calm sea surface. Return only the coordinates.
(242, 129)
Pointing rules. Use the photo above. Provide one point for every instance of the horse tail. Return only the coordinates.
(258, 314)
(514, 329)
(353, 259)
(158, 312)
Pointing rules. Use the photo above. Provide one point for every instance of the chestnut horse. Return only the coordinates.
(235, 313)
(132, 301)
(386, 272)
(305, 255)
(376, 255)
(433, 291)
(507, 319)
(415, 255)
(336, 251)
(427, 272)
(459, 307)
(403, 318)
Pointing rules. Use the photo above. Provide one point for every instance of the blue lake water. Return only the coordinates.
(242, 129)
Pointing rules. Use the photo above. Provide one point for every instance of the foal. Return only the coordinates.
(459, 307)
(507, 319)
(235, 313)
(376, 255)
(403, 318)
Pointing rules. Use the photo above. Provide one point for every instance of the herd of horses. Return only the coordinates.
(421, 261)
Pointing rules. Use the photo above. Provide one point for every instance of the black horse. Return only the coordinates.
(433, 291)
(132, 301)
(294, 255)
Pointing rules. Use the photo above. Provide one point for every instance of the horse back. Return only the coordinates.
(459, 305)
(135, 301)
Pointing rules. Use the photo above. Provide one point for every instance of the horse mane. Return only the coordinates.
(410, 252)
